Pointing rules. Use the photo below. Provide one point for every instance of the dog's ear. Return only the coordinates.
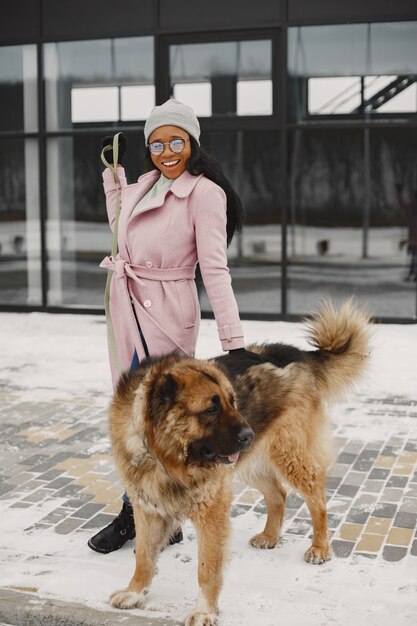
(161, 396)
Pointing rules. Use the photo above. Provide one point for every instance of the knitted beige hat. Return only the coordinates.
(173, 113)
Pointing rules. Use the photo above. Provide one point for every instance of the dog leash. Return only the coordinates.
(114, 248)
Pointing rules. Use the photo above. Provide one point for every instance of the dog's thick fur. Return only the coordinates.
(178, 425)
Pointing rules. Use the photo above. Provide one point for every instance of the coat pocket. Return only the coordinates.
(186, 296)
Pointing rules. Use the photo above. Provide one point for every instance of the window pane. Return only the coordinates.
(84, 80)
(196, 95)
(342, 241)
(136, 102)
(254, 97)
(18, 88)
(353, 69)
(20, 258)
(78, 234)
(95, 104)
(219, 78)
(255, 254)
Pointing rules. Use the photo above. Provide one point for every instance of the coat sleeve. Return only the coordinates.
(112, 189)
(210, 231)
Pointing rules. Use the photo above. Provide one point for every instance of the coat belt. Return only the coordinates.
(123, 268)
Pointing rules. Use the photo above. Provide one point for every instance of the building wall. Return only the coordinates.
(309, 107)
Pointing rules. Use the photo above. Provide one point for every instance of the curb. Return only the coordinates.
(18, 608)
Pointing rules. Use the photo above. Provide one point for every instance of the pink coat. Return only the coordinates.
(154, 270)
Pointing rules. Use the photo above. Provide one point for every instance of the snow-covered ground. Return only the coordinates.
(47, 357)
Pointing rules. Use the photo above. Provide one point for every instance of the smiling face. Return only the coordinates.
(171, 164)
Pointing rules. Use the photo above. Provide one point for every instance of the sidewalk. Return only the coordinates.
(58, 485)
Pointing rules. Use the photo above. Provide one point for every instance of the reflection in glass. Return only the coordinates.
(222, 78)
(78, 234)
(77, 75)
(20, 258)
(354, 69)
(255, 254)
(335, 249)
(18, 88)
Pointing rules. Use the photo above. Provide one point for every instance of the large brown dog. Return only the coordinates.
(179, 425)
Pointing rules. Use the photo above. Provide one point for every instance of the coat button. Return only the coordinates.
(148, 263)
(147, 304)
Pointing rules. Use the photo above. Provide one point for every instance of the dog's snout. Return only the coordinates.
(245, 436)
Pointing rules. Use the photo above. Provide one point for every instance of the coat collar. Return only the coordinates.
(184, 184)
(181, 187)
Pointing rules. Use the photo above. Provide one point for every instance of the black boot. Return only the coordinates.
(115, 535)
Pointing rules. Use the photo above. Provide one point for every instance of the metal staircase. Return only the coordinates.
(396, 86)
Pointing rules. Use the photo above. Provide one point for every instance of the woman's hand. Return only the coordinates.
(108, 141)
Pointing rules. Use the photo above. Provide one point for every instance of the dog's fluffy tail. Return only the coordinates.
(342, 341)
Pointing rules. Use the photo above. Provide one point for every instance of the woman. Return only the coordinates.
(180, 213)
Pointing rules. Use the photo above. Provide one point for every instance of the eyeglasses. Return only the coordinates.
(175, 145)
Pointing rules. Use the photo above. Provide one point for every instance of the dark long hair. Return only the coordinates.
(200, 162)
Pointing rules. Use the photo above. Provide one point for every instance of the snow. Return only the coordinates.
(65, 357)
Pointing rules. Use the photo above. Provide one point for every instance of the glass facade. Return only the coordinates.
(223, 78)
(255, 254)
(352, 165)
(317, 135)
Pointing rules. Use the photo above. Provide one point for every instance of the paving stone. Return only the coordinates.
(77, 501)
(36, 459)
(339, 505)
(58, 483)
(413, 550)
(353, 447)
(384, 509)
(332, 483)
(99, 521)
(350, 532)
(68, 525)
(368, 455)
(397, 481)
(299, 527)
(294, 501)
(88, 510)
(362, 465)
(68, 490)
(354, 478)
(6, 488)
(374, 486)
(239, 509)
(342, 549)
(36, 496)
(357, 516)
(87, 434)
(392, 495)
(405, 520)
(393, 553)
(338, 470)
(56, 516)
(370, 543)
(346, 458)
(378, 525)
(379, 474)
(365, 501)
(408, 505)
(50, 474)
(400, 536)
(411, 491)
(53, 460)
(348, 490)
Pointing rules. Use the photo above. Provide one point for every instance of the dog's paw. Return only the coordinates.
(263, 541)
(199, 618)
(317, 556)
(126, 599)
